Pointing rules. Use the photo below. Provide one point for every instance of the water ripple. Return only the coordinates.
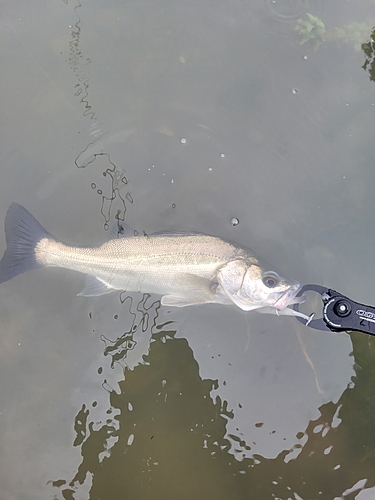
(288, 11)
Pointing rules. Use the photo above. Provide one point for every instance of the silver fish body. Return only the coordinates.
(185, 268)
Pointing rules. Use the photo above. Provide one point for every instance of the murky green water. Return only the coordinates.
(185, 115)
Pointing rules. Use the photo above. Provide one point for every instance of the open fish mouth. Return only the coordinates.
(289, 297)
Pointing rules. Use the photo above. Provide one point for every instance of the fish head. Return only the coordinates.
(253, 286)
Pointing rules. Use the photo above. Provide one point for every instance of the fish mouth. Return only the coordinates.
(288, 297)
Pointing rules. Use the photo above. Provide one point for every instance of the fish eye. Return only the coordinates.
(270, 279)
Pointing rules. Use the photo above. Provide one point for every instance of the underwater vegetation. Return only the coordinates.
(314, 29)
(360, 34)
(369, 50)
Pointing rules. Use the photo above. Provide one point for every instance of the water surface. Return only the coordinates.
(185, 115)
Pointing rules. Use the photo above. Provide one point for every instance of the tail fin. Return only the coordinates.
(22, 232)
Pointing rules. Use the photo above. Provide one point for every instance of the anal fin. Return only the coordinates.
(94, 287)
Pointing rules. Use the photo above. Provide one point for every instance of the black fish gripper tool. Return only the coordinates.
(340, 313)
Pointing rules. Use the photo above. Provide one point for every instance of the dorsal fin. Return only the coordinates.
(172, 232)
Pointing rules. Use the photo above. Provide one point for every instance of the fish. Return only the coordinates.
(184, 268)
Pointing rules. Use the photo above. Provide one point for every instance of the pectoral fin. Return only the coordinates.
(174, 301)
(197, 291)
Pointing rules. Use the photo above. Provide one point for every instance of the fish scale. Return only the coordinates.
(184, 268)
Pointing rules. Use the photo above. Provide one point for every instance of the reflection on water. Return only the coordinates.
(163, 434)
(79, 64)
(118, 182)
(142, 318)
(369, 50)
(162, 407)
